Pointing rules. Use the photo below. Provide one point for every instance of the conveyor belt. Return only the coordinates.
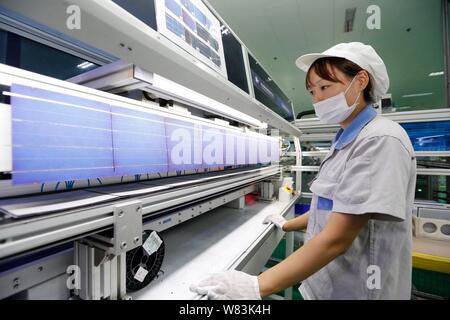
(224, 239)
(20, 207)
(79, 217)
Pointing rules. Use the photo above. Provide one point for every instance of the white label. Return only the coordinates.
(152, 243)
(140, 274)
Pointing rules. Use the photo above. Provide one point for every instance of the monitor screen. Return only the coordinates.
(268, 93)
(234, 59)
(192, 26)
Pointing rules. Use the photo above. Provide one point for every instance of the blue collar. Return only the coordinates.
(344, 137)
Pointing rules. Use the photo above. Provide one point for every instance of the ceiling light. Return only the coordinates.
(434, 74)
(417, 95)
(85, 65)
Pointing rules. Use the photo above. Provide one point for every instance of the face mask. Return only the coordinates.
(335, 110)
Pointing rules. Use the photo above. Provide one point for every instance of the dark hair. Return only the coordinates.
(322, 67)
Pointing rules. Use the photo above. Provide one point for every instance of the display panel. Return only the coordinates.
(234, 59)
(429, 136)
(268, 93)
(191, 25)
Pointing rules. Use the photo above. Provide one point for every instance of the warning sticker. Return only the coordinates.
(152, 243)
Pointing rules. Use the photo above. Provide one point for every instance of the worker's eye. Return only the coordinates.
(324, 87)
(310, 92)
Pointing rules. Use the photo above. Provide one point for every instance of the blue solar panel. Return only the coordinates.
(241, 147)
(264, 154)
(213, 146)
(139, 142)
(184, 145)
(60, 137)
(252, 150)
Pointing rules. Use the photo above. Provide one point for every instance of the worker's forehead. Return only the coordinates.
(314, 79)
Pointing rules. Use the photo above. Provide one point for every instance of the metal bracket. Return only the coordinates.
(127, 227)
(102, 259)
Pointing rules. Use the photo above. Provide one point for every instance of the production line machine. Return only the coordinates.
(93, 227)
(140, 176)
(156, 161)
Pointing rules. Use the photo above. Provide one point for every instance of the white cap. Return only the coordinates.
(361, 54)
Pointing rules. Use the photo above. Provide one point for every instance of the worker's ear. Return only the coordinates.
(363, 79)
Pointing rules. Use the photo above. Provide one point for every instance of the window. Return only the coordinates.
(144, 10)
(409, 38)
(20, 52)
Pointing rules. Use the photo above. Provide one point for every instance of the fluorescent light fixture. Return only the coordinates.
(85, 65)
(417, 95)
(169, 86)
(435, 74)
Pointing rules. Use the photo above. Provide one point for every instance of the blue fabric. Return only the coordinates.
(301, 208)
(324, 204)
(347, 135)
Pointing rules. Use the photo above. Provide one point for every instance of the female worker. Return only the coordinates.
(359, 233)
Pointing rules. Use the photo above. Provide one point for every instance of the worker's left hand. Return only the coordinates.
(276, 219)
(229, 285)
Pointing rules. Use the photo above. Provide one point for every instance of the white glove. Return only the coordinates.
(276, 219)
(229, 285)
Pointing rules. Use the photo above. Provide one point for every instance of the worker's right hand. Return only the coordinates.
(276, 219)
(229, 285)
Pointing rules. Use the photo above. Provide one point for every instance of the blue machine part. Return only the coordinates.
(429, 136)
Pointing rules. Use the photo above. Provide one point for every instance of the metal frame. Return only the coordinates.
(317, 137)
(433, 172)
(20, 236)
(305, 168)
(23, 278)
(298, 162)
(247, 248)
(251, 88)
(100, 277)
(446, 46)
(253, 259)
(432, 153)
(313, 126)
(104, 279)
(246, 261)
(167, 221)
